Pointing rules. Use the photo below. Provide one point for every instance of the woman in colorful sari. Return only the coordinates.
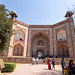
(49, 64)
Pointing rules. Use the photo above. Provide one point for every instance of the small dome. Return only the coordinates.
(69, 11)
(14, 11)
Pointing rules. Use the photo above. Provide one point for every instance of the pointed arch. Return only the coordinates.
(40, 41)
(19, 36)
(63, 51)
(61, 35)
(18, 50)
(40, 33)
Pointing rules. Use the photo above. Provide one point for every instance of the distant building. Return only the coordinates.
(50, 40)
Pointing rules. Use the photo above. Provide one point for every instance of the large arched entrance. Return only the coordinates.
(63, 51)
(40, 43)
(18, 50)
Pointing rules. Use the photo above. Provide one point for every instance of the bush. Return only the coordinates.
(9, 67)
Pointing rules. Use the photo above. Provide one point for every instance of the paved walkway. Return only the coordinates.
(28, 69)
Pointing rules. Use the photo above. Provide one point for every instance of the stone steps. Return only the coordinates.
(40, 61)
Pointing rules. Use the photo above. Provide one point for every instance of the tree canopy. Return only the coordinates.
(6, 30)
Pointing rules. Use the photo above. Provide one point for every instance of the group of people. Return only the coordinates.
(49, 62)
(34, 60)
(40, 55)
(70, 68)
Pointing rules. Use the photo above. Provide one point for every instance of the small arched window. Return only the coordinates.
(40, 42)
(61, 35)
(19, 35)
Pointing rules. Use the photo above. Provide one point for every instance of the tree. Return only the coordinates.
(6, 30)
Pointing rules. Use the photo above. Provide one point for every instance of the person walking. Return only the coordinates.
(63, 65)
(33, 60)
(71, 68)
(53, 64)
(39, 56)
(37, 60)
(42, 56)
(49, 64)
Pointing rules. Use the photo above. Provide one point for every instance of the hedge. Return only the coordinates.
(9, 67)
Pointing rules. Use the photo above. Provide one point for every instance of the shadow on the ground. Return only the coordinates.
(50, 72)
(45, 69)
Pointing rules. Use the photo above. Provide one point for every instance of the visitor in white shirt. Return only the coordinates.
(37, 61)
(33, 60)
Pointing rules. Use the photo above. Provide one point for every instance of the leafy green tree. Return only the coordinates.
(6, 30)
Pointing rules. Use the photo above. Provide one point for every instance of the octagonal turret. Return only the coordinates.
(13, 14)
(69, 14)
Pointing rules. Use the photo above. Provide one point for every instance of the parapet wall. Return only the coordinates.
(29, 60)
(58, 60)
(17, 60)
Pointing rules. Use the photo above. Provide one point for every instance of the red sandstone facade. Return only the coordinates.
(51, 40)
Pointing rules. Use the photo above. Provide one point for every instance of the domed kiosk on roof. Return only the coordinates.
(69, 14)
(13, 14)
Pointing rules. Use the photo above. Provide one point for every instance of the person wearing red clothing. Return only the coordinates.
(49, 65)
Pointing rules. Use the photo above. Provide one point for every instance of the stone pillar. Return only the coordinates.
(10, 51)
(69, 40)
(55, 48)
(29, 43)
(26, 39)
(51, 42)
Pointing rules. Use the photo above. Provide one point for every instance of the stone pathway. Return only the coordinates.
(29, 69)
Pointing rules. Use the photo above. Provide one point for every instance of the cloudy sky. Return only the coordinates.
(39, 12)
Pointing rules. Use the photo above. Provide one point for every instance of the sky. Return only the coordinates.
(39, 12)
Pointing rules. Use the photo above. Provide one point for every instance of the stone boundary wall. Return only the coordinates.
(17, 60)
(58, 60)
(24, 60)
